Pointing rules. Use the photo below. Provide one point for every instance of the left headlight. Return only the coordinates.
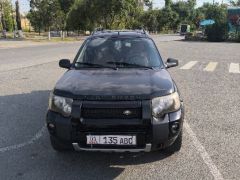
(165, 104)
(61, 105)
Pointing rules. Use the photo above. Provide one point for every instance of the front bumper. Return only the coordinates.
(147, 148)
(152, 134)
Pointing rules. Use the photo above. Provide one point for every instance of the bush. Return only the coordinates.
(234, 36)
(238, 37)
(217, 32)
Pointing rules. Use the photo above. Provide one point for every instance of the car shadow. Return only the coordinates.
(30, 110)
(99, 165)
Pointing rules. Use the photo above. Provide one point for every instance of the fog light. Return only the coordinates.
(51, 126)
(175, 127)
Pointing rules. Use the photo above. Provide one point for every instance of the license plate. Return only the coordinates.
(111, 139)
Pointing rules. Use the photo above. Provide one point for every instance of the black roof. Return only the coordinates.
(121, 33)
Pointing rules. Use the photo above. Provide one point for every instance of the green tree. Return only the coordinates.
(6, 15)
(66, 5)
(36, 20)
(114, 13)
(186, 12)
(65, 8)
(198, 16)
(150, 20)
(235, 3)
(183, 10)
(110, 14)
(133, 16)
(168, 3)
(80, 17)
(46, 14)
(217, 31)
(168, 19)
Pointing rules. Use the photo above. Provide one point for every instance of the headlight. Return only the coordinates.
(61, 105)
(165, 104)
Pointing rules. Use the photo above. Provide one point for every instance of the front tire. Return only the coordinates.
(176, 146)
(60, 146)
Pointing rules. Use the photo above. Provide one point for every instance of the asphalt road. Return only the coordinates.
(208, 84)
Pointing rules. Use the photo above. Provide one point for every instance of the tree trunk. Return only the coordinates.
(2, 17)
(18, 17)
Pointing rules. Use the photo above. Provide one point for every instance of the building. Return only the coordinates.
(25, 23)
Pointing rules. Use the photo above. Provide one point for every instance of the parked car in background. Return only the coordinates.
(184, 29)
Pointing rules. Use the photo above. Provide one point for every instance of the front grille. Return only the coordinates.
(111, 110)
(110, 118)
(111, 113)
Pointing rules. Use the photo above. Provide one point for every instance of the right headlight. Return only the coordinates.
(165, 104)
(61, 105)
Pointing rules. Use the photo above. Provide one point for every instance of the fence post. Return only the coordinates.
(49, 34)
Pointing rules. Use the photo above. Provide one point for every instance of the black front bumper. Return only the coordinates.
(150, 132)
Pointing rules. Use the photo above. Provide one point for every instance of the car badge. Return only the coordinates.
(127, 112)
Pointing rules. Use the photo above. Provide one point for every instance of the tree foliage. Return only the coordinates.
(217, 31)
(65, 5)
(235, 2)
(46, 14)
(185, 10)
(6, 15)
(169, 19)
(168, 3)
(79, 17)
(116, 14)
(150, 20)
(110, 14)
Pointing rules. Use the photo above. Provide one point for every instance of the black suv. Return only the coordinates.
(116, 95)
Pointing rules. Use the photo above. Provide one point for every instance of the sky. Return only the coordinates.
(24, 4)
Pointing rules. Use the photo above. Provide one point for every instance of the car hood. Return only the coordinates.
(122, 82)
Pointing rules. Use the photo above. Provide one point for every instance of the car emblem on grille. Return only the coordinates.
(127, 112)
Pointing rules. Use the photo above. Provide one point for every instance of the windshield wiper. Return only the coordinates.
(129, 64)
(95, 65)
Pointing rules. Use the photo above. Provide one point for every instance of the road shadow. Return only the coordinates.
(21, 115)
(205, 41)
(98, 165)
(29, 111)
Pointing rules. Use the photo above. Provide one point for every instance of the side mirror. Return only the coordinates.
(171, 63)
(65, 63)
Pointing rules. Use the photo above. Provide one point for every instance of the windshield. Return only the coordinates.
(119, 52)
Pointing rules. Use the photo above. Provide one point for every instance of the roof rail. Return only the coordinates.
(141, 30)
(100, 29)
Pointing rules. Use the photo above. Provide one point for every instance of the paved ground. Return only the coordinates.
(208, 77)
(15, 58)
(19, 43)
